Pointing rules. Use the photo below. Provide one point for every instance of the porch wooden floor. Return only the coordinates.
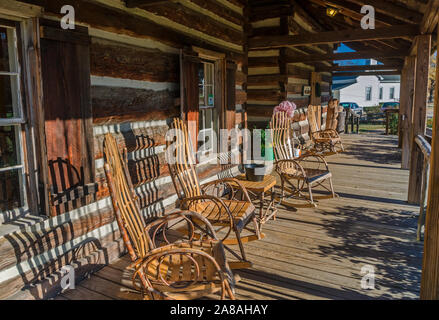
(319, 253)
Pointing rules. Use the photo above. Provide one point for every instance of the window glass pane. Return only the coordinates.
(7, 49)
(201, 84)
(392, 93)
(10, 190)
(368, 93)
(9, 145)
(9, 107)
(210, 96)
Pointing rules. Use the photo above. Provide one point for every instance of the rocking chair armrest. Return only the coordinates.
(217, 200)
(321, 159)
(158, 251)
(235, 181)
(186, 215)
(333, 132)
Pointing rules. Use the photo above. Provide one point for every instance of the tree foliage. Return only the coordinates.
(432, 77)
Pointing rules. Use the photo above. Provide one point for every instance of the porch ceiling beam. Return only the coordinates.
(375, 73)
(430, 20)
(353, 10)
(395, 67)
(392, 9)
(144, 3)
(334, 37)
(368, 54)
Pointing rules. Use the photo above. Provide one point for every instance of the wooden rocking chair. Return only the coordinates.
(326, 142)
(228, 215)
(302, 173)
(164, 270)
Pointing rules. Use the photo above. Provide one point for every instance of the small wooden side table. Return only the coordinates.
(258, 190)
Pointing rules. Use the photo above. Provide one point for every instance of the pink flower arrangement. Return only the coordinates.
(287, 107)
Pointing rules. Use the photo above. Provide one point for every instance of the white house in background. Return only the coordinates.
(367, 91)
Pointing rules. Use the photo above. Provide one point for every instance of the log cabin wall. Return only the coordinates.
(135, 91)
(272, 78)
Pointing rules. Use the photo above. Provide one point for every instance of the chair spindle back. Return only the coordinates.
(313, 112)
(125, 203)
(283, 143)
(181, 162)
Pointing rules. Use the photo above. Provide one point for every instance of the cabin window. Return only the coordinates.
(381, 93)
(12, 167)
(368, 93)
(207, 107)
(392, 93)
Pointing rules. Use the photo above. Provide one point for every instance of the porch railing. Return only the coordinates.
(425, 147)
(352, 120)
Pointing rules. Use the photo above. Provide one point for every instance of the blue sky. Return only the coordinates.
(358, 62)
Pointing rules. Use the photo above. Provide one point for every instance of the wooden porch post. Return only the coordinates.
(419, 116)
(406, 108)
(430, 269)
(315, 78)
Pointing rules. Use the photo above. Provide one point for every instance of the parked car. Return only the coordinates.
(390, 105)
(354, 107)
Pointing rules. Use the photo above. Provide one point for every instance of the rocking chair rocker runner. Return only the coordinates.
(326, 142)
(228, 215)
(301, 174)
(185, 269)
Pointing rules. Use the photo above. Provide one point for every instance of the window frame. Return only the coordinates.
(204, 109)
(392, 93)
(18, 121)
(368, 95)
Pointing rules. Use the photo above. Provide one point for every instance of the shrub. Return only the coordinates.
(393, 123)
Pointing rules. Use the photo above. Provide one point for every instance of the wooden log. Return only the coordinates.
(385, 67)
(406, 109)
(265, 95)
(144, 3)
(335, 36)
(299, 72)
(110, 249)
(263, 62)
(373, 73)
(430, 19)
(20, 246)
(221, 10)
(109, 59)
(369, 54)
(116, 21)
(353, 11)
(395, 10)
(419, 116)
(270, 11)
(116, 105)
(197, 21)
(430, 268)
(269, 79)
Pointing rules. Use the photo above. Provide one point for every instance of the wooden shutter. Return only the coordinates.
(189, 65)
(231, 95)
(65, 64)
